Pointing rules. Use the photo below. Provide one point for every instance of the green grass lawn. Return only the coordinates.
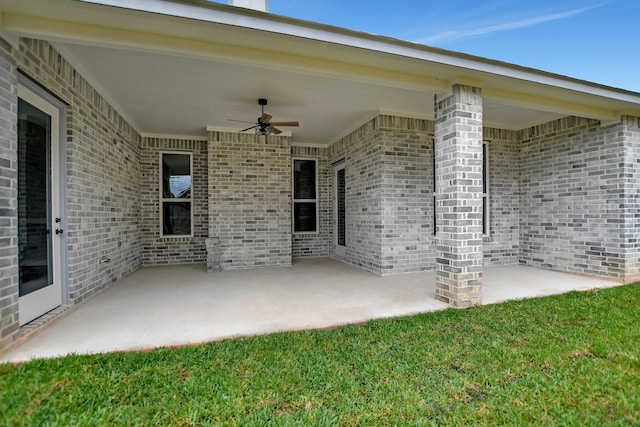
(572, 359)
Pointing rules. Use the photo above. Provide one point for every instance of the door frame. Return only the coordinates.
(338, 250)
(37, 303)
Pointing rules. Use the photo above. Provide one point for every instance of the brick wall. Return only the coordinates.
(8, 196)
(406, 195)
(501, 246)
(403, 209)
(102, 180)
(103, 176)
(158, 250)
(250, 199)
(316, 244)
(572, 192)
(361, 152)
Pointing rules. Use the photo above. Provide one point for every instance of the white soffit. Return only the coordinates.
(185, 66)
(217, 13)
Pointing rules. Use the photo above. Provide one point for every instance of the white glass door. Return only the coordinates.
(39, 223)
(339, 211)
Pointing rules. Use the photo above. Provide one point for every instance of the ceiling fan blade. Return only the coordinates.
(291, 124)
(241, 121)
(252, 127)
(275, 131)
(266, 118)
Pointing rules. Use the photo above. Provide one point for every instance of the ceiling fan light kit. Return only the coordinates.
(264, 125)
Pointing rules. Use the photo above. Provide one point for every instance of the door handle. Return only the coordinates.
(59, 231)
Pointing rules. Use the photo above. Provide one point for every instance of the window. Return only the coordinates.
(305, 196)
(176, 213)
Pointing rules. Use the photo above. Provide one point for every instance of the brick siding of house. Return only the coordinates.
(102, 175)
(573, 189)
(157, 250)
(8, 196)
(361, 152)
(250, 199)
(400, 215)
(102, 180)
(501, 246)
(406, 195)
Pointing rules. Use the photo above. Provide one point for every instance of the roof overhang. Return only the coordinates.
(177, 67)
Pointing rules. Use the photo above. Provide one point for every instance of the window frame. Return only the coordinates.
(164, 200)
(294, 200)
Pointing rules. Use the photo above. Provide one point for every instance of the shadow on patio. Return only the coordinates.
(176, 305)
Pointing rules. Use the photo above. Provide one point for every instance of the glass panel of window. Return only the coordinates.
(176, 219)
(304, 215)
(176, 176)
(304, 175)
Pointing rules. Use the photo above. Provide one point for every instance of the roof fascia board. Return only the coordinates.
(554, 105)
(230, 15)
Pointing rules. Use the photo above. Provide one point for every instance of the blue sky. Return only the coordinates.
(594, 40)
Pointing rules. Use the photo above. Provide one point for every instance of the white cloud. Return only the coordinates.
(455, 35)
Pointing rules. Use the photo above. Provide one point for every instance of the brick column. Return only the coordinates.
(458, 153)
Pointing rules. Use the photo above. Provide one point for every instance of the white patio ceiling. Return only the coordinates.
(178, 75)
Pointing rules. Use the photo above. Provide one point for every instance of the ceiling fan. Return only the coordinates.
(265, 126)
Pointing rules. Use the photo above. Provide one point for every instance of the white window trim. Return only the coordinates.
(163, 200)
(294, 200)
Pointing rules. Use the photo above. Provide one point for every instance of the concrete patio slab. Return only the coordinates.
(503, 283)
(177, 305)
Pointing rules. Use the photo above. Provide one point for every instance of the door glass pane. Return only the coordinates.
(304, 179)
(340, 184)
(34, 199)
